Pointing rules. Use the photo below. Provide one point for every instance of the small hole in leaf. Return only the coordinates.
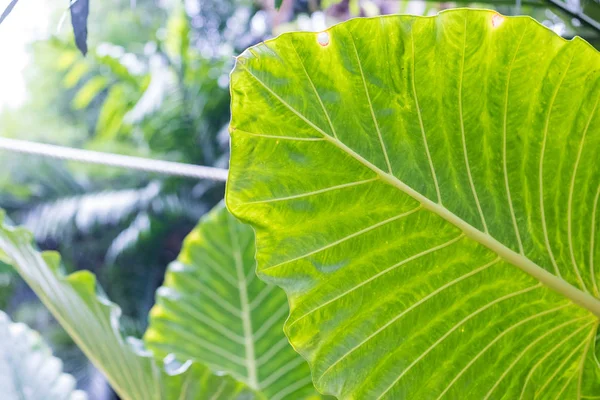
(497, 20)
(323, 38)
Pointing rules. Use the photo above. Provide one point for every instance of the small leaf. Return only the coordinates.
(213, 309)
(79, 16)
(76, 72)
(278, 4)
(111, 117)
(89, 91)
(66, 59)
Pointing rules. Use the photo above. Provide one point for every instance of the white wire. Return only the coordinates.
(114, 160)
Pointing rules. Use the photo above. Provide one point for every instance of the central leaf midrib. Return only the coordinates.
(555, 283)
(561, 286)
(251, 369)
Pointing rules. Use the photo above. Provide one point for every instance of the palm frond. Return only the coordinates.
(79, 214)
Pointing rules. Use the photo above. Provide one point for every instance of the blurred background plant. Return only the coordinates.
(155, 84)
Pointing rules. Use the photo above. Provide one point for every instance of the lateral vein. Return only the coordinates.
(572, 189)
(312, 85)
(414, 89)
(260, 135)
(314, 192)
(592, 249)
(548, 354)
(541, 172)
(462, 131)
(393, 267)
(352, 235)
(532, 344)
(557, 370)
(590, 339)
(504, 162)
(456, 326)
(496, 339)
(250, 359)
(364, 81)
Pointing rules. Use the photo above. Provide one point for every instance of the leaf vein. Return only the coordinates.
(261, 296)
(541, 360)
(314, 192)
(273, 350)
(305, 139)
(389, 269)
(281, 311)
(504, 162)
(592, 249)
(364, 81)
(216, 298)
(589, 341)
(541, 172)
(250, 359)
(488, 305)
(572, 189)
(418, 107)
(562, 364)
(211, 323)
(496, 339)
(531, 345)
(268, 381)
(348, 237)
(220, 389)
(214, 266)
(462, 131)
(312, 85)
(291, 388)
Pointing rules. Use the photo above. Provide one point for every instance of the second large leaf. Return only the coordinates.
(213, 309)
(426, 192)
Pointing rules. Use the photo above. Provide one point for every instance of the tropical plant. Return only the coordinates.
(213, 309)
(210, 310)
(28, 371)
(429, 216)
(426, 192)
(124, 226)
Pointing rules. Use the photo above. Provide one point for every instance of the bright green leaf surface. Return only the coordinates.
(426, 191)
(213, 309)
(93, 323)
(28, 371)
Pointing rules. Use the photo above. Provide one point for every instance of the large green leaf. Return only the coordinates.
(214, 310)
(426, 192)
(93, 323)
(28, 371)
